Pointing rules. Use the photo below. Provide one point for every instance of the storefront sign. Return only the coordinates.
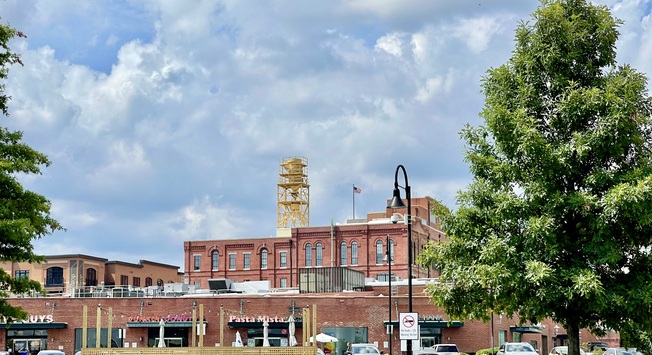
(245, 319)
(168, 318)
(39, 318)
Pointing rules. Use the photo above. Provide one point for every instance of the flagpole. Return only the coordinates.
(353, 195)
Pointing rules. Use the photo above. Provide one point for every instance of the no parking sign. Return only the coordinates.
(409, 326)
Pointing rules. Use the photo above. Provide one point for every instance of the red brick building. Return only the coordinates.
(360, 244)
(57, 322)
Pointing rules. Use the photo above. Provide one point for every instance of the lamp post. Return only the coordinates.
(398, 203)
(390, 258)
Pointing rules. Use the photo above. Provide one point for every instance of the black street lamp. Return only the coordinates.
(390, 259)
(398, 203)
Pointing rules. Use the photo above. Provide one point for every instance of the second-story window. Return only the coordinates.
(21, 274)
(148, 281)
(263, 259)
(354, 253)
(379, 252)
(247, 261)
(197, 262)
(308, 254)
(231, 261)
(284, 259)
(319, 259)
(137, 281)
(215, 260)
(343, 254)
(124, 280)
(91, 277)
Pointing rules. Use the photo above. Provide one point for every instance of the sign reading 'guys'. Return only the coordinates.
(409, 326)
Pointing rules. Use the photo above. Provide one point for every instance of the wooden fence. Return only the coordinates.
(218, 350)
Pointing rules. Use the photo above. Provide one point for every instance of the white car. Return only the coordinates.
(51, 352)
(439, 349)
(562, 350)
(364, 349)
(516, 349)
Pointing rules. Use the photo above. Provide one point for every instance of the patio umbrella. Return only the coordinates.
(161, 333)
(265, 333)
(291, 329)
(238, 339)
(324, 338)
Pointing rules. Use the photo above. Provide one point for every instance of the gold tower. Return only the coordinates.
(293, 193)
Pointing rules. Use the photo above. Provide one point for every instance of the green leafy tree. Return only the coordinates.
(557, 221)
(24, 215)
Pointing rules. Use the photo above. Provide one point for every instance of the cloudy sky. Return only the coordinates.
(166, 121)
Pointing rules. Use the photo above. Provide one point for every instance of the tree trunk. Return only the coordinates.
(573, 332)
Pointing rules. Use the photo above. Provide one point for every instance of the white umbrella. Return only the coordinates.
(291, 329)
(324, 338)
(238, 339)
(161, 333)
(265, 331)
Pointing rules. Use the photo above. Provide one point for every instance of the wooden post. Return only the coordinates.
(201, 325)
(221, 325)
(314, 322)
(84, 326)
(98, 327)
(110, 328)
(193, 325)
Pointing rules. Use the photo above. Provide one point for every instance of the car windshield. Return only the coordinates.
(564, 350)
(447, 349)
(363, 350)
(518, 348)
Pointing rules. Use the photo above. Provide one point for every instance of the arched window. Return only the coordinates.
(91, 277)
(148, 281)
(343, 254)
(354, 253)
(263, 259)
(319, 259)
(54, 276)
(379, 252)
(391, 250)
(215, 260)
(308, 254)
(159, 283)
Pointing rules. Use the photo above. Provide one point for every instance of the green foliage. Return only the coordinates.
(24, 215)
(558, 218)
(487, 351)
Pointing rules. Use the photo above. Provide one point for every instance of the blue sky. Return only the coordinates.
(166, 121)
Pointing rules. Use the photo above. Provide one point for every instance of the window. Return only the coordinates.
(263, 259)
(379, 252)
(21, 274)
(197, 284)
(319, 258)
(124, 280)
(284, 283)
(137, 281)
(343, 254)
(215, 260)
(231, 261)
(54, 276)
(197, 262)
(148, 281)
(308, 254)
(247, 261)
(159, 283)
(91, 277)
(502, 337)
(284, 259)
(354, 253)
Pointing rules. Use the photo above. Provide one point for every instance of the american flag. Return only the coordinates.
(357, 190)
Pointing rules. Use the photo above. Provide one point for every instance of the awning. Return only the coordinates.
(51, 325)
(525, 329)
(433, 324)
(156, 324)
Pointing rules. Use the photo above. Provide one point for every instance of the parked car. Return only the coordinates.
(439, 349)
(364, 349)
(563, 350)
(51, 352)
(516, 349)
(616, 351)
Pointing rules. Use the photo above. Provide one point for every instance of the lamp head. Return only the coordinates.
(396, 200)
